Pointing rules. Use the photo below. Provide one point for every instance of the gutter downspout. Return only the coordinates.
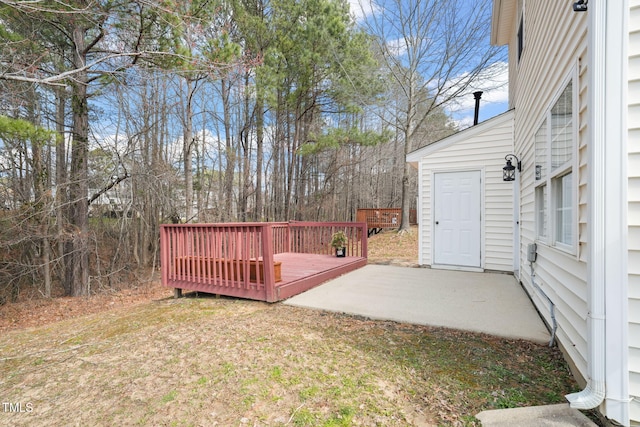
(593, 394)
(607, 266)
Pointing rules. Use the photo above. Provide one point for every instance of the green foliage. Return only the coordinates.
(221, 50)
(7, 35)
(339, 239)
(169, 396)
(195, 35)
(22, 130)
(311, 50)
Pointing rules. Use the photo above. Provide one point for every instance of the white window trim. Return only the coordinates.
(539, 236)
(553, 213)
(550, 239)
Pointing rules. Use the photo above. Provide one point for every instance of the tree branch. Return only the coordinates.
(115, 180)
(54, 80)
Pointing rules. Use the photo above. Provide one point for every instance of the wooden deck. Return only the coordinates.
(301, 272)
(262, 261)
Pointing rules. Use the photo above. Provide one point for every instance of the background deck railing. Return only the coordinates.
(237, 259)
(384, 217)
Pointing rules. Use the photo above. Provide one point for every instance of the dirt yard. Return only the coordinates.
(139, 357)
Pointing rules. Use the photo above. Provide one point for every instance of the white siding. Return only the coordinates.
(633, 169)
(556, 49)
(483, 151)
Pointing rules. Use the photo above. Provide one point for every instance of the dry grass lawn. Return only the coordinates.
(143, 358)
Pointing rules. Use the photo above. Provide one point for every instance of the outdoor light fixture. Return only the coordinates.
(509, 171)
(580, 6)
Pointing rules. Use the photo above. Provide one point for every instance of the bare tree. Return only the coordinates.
(75, 44)
(434, 51)
(209, 115)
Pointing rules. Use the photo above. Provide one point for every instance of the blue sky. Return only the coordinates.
(494, 99)
(495, 90)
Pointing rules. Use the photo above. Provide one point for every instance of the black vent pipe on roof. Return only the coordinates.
(477, 95)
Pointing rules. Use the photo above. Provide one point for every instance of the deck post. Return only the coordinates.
(364, 239)
(165, 255)
(267, 262)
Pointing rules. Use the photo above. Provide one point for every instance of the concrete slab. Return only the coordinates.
(491, 303)
(535, 416)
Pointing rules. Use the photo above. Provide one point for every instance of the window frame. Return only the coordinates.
(558, 207)
(550, 183)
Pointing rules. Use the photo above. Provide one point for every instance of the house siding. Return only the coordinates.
(633, 214)
(556, 47)
(485, 152)
(548, 60)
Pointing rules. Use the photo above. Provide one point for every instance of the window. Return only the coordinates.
(520, 37)
(554, 157)
(564, 209)
(562, 129)
(520, 29)
(541, 211)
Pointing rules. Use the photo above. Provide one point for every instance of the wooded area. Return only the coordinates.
(116, 117)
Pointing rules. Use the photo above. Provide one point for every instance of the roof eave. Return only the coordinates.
(502, 20)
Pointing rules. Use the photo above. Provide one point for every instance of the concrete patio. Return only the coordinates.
(491, 303)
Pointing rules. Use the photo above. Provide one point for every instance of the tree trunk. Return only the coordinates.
(40, 205)
(279, 173)
(258, 214)
(245, 140)
(61, 178)
(229, 152)
(188, 152)
(406, 202)
(77, 248)
(408, 139)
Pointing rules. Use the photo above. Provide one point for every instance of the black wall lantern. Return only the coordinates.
(509, 171)
(580, 6)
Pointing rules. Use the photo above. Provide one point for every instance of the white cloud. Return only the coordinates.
(495, 97)
(464, 122)
(493, 82)
(397, 47)
(361, 9)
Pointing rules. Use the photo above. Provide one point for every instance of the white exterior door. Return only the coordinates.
(456, 220)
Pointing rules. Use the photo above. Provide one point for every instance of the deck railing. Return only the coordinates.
(384, 217)
(239, 257)
(315, 237)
